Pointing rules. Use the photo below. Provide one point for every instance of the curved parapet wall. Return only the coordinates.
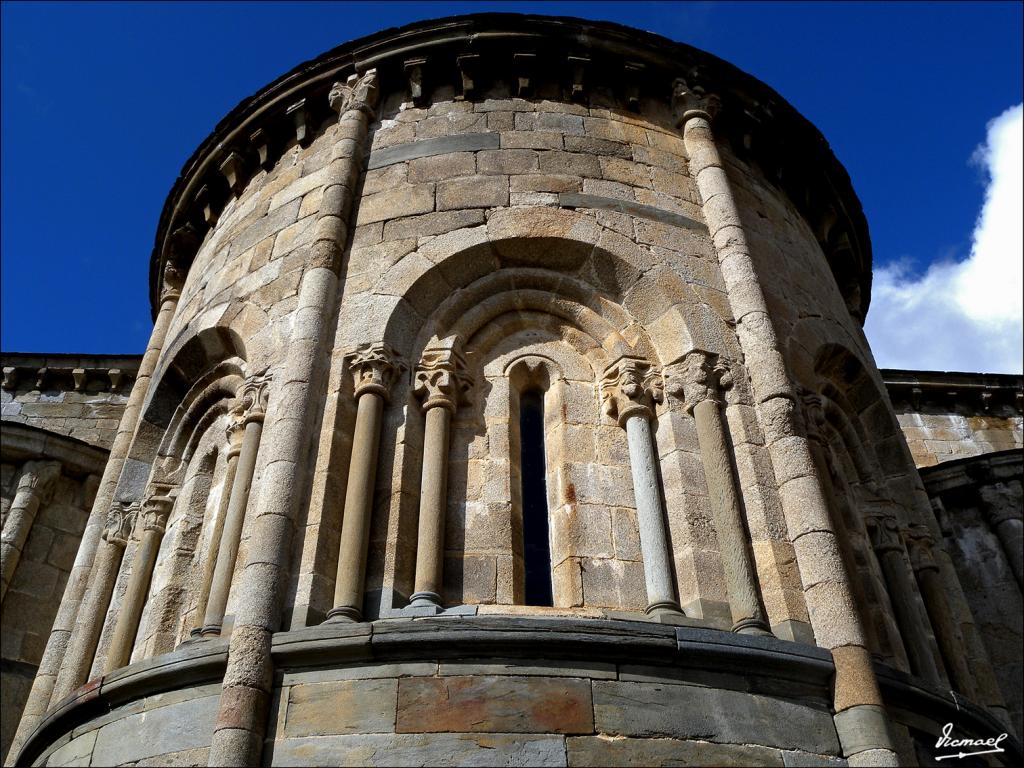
(540, 692)
(452, 331)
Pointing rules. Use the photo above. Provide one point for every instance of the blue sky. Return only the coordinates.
(103, 103)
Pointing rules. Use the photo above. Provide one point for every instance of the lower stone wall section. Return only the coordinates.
(551, 714)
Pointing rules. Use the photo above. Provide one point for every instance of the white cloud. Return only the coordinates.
(966, 315)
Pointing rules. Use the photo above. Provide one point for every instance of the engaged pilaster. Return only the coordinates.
(34, 489)
(700, 379)
(441, 383)
(247, 415)
(1006, 523)
(630, 388)
(374, 368)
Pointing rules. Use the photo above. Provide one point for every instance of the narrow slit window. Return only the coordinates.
(536, 552)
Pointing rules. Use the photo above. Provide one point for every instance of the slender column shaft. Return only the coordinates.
(803, 502)
(433, 505)
(58, 647)
(888, 547)
(1010, 532)
(245, 695)
(231, 536)
(650, 517)
(355, 528)
(215, 538)
(741, 582)
(155, 512)
(954, 654)
(93, 611)
(34, 485)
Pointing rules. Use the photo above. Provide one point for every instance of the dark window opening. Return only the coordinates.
(536, 552)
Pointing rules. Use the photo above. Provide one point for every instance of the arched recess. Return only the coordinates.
(177, 446)
(565, 259)
(860, 454)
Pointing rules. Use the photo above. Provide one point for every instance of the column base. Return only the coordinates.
(426, 600)
(210, 630)
(344, 613)
(752, 627)
(668, 608)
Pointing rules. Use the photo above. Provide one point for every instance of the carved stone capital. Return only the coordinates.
(997, 514)
(630, 387)
(173, 280)
(689, 101)
(374, 368)
(699, 376)
(441, 379)
(357, 93)
(919, 546)
(884, 532)
(814, 412)
(37, 479)
(121, 519)
(154, 513)
(251, 403)
(234, 431)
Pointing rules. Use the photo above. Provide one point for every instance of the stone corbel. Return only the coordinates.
(79, 375)
(259, 140)
(692, 101)
(631, 386)
(441, 378)
(300, 116)
(115, 375)
(356, 93)
(468, 64)
(205, 203)
(235, 172)
(374, 368)
(578, 77)
(10, 380)
(525, 65)
(41, 375)
(120, 524)
(634, 73)
(415, 71)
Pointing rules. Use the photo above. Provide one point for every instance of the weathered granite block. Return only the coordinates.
(494, 704)
(708, 714)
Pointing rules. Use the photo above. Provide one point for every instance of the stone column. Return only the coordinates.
(860, 714)
(703, 377)
(1008, 527)
(248, 414)
(235, 432)
(374, 368)
(58, 645)
(884, 533)
(120, 526)
(629, 388)
(153, 519)
(34, 489)
(245, 696)
(440, 383)
(920, 545)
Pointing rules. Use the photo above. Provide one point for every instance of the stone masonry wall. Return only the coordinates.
(75, 395)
